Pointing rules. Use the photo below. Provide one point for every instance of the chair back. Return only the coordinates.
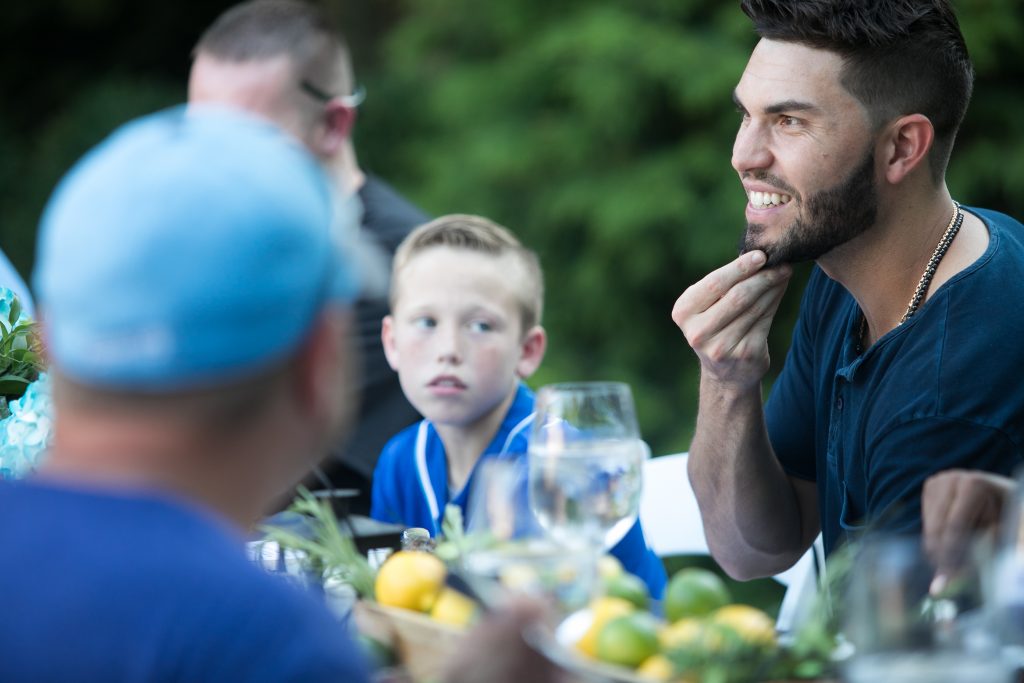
(672, 525)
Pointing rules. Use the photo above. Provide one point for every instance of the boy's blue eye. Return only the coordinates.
(424, 322)
(481, 326)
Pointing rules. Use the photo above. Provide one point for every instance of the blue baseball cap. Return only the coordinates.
(191, 247)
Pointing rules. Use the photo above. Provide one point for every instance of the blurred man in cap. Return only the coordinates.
(196, 307)
(195, 313)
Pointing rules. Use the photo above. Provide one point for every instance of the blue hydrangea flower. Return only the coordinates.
(25, 435)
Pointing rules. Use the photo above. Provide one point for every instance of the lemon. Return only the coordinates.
(628, 587)
(410, 579)
(656, 668)
(686, 632)
(452, 607)
(694, 592)
(752, 625)
(628, 640)
(604, 610)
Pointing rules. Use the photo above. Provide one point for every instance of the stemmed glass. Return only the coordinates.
(508, 553)
(901, 633)
(585, 463)
(1007, 585)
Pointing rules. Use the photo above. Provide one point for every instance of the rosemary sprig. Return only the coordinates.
(328, 552)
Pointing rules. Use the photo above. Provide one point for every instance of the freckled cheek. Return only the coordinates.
(488, 359)
(414, 349)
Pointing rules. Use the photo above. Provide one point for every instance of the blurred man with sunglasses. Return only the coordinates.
(284, 60)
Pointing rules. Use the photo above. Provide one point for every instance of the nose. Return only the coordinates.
(449, 345)
(750, 150)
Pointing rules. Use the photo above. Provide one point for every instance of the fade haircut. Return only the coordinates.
(899, 56)
(265, 29)
(476, 234)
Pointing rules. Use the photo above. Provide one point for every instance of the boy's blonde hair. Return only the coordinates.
(475, 233)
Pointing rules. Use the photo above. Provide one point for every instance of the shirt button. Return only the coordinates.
(839, 403)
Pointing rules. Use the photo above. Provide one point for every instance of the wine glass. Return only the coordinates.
(901, 633)
(507, 553)
(1007, 581)
(585, 462)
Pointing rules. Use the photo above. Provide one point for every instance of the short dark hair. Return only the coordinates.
(264, 29)
(900, 56)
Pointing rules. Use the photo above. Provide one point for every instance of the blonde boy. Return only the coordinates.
(464, 331)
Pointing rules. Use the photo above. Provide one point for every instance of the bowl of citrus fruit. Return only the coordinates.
(696, 633)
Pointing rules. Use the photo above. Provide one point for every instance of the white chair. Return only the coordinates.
(672, 526)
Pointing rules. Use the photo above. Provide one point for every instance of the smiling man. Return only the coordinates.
(899, 366)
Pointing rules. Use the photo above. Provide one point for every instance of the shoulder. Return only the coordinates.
(998, 220)
(387, 214)
(251, 609)
(985, 296)
(401, 447)
(1000, 262)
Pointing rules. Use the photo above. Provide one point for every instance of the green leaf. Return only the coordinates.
(12, 385)
(15, 311)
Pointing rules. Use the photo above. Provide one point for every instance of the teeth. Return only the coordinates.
(762, 199)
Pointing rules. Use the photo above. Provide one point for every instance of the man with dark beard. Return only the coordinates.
(898, 368)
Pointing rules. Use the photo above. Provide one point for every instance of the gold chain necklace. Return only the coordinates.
(955, 221)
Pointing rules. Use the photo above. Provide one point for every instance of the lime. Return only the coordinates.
(628, 640)
(694, 592)
(628, 587)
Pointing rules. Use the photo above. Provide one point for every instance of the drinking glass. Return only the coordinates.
(902, 634)
(585, 462)
(508, 553)
(1007, 587)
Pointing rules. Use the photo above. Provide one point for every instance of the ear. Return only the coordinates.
(338, 119)
(387, 339)
(532, 349)
(907, 146)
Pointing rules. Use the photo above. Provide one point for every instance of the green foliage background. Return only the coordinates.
(599, 131)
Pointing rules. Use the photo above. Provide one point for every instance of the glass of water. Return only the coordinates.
(900, 633)
(585, 462)
(1007, 586)
(510, 554)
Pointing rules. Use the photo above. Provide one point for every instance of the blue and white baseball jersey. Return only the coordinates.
(410, 484)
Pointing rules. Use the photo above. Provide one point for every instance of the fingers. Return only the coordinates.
(762, 315)
(714, 285)
(730, 336)
(946, 517)
(705, 309)
(957, 506)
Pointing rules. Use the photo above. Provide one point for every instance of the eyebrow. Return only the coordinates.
(779, 107)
